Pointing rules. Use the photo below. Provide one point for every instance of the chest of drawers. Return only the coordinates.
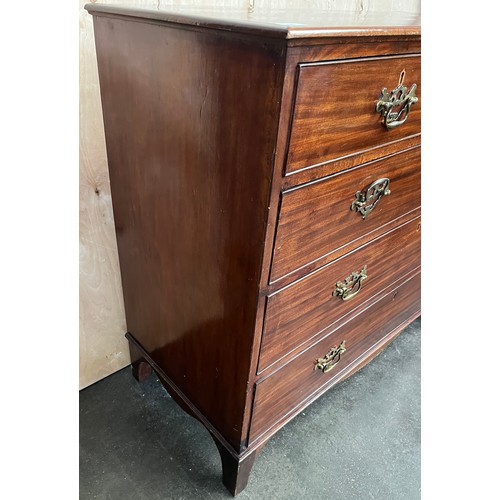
(266, 192)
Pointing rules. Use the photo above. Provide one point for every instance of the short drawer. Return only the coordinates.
(295, 385)
(308, 307)
(335, 114)
(318, 219)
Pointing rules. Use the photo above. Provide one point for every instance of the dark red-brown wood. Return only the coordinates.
(190, 149)
(141, 369)
(335, 116)
(235, 471)
(306, 308)
(236, 467)
(197, 113)
(290, 387)
(317, 220)
(307, 25)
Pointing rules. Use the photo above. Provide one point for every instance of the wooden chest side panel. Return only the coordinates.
(191, 122)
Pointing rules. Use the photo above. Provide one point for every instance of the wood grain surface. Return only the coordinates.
(335, 116)
(103, 349)
(303, 310)
(190, 148)
(293, 385)
(320, 21)
(102, 319)
(316, 219)
(197, 116)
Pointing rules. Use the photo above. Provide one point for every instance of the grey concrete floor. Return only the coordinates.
(361, 440)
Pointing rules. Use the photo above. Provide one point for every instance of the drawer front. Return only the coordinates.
(294, 385)
(318, 219)
(335, 114)
(303, 310)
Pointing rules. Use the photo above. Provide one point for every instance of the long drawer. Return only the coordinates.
(335, 114)
(295, 384)
(304, 309)
(319, 218)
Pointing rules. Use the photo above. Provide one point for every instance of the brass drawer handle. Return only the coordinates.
(351, 286)
(395, 106)
(365, 202)
(331, 359)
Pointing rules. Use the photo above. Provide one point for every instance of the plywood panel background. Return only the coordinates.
(103, 349)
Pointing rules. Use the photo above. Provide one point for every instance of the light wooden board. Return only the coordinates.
(103, 349)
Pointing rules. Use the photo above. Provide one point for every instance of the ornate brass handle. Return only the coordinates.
(367, 201)
(331, 359)
(351, 286)
(395, 106)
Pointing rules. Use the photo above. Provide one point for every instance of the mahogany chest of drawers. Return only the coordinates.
(266, 192)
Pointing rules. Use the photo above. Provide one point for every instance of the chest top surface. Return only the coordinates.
(280, 23)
